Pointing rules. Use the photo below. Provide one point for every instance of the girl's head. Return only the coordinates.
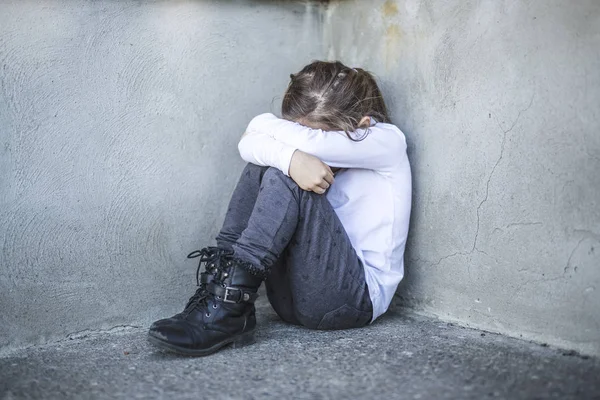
(332, 96)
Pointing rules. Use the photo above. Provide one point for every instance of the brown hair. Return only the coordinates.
(333, 96)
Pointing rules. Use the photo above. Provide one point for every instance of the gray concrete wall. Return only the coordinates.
(118, 129)
(499, 101)
(118, 125)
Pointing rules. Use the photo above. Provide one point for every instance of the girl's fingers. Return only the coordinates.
(319, 190)
(329, 177)
(324, 184)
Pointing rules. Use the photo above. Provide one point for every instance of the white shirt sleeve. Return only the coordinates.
(261, 149)
(381, 149)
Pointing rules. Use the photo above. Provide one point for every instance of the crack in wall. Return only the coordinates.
(568, 265)
(595, 157)
(519, 288)
(566, 270)
(474, 248)
(502, 147)
(588, 233)
(523, 224)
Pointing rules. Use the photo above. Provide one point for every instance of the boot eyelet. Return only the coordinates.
(219, 297)
(207, 314)
(215, 305)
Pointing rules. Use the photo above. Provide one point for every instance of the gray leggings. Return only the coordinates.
(315, 278)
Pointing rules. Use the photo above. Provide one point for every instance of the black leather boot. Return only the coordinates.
(209, 256)
(223, 314)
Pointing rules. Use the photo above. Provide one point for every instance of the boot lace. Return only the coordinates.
(212, 257)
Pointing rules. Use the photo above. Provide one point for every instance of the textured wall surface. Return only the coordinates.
(118, 129)
(118, 125)
(500, 103)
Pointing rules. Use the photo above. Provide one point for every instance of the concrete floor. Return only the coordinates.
(399, 357)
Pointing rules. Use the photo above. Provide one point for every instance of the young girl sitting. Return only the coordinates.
(320, 214)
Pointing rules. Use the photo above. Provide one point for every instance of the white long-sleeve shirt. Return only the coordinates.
(372, 197)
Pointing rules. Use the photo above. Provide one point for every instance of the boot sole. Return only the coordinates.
(238, 341)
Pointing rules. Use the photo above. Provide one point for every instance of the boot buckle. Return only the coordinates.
(228, 297)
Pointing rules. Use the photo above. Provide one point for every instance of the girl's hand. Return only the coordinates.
(310, 173)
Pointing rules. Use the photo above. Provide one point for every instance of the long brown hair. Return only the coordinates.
(333, 96)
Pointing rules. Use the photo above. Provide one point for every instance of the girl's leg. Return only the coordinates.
(316, 278)
(241, 205)
(236, 219)
(322, 274)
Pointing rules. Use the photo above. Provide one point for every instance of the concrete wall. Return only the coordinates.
(118, 125)
(118, 129)
(500, 104)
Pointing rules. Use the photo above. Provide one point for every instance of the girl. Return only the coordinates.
(330, 249)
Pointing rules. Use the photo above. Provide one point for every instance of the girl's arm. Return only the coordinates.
(380, 150)
(261, 149)
(307, 171)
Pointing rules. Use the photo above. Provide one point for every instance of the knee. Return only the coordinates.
(273, 176)
(271, 172)
(252, 169)
(277, 180)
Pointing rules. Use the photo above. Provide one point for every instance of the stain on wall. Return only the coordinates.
(390, 8)
(393, 36)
